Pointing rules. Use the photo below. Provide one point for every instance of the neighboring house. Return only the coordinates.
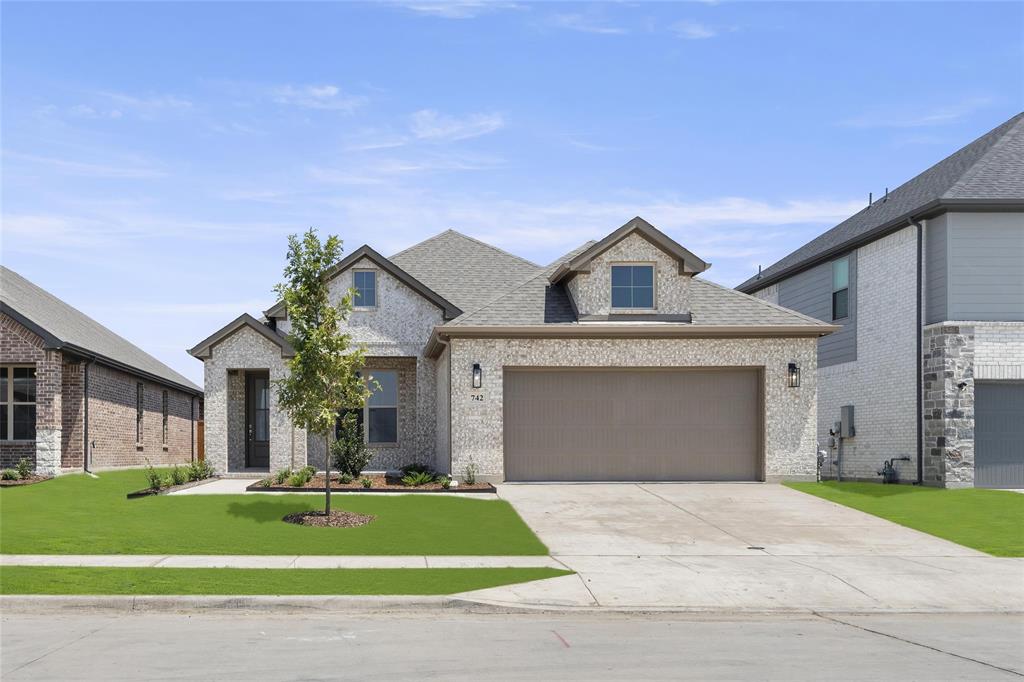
(927, 284)
(616, 362)
(70, 386)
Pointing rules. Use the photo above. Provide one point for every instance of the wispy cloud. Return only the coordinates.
(579, 143)
(146, 105)
(457, 9)
(386, 171)
(324, 97)
(584, 24)
(693, 30)
(87, 169)
(936, 116)
(428, 124)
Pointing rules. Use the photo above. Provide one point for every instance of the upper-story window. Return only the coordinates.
(139, 411)
(841, 288)
(632, 286)
(17, 403)
(365, 284)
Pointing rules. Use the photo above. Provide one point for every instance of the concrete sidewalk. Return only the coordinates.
(270, 561)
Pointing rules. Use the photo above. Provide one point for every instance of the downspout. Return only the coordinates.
(919, 360)
(86, 450)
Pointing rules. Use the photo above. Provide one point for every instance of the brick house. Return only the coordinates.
(69, 386)
(617, 361)
(927, 286)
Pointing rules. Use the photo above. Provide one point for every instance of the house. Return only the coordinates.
(616, 362)
(74, 395)
(927, 286)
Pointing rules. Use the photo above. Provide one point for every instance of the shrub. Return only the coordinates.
(24, 468)
(197, 471)
(9, 475)
(298, 480)
(367, 483)
(416, 468)
(282, 475)
(345, 478)
(266, 482)
(155, 478)
(417, 478)
(445, 481)
(470, 477)
(348, 453)
(179, 475)
(308, 471)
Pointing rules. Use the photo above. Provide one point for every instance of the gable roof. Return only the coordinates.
(581, 261)
(450, 311)
(987, 172)
(63, 327)
(245, 320)
(466, 271)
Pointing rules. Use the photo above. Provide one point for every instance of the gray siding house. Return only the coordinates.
(617, 361)
(927, 285)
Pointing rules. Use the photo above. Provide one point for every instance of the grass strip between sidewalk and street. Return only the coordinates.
(990, 521)
(77, 514)
(261, 581)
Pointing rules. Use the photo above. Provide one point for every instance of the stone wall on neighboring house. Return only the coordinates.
(224, 400)
(591, 292)
(955, 355)
(790, 414)
(19, 345)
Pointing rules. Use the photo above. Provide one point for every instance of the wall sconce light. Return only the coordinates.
(793, 375)
(478, 375)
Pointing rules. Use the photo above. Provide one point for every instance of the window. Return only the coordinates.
(138, 412)
(841, 288)
(381, 410)
(632, 286)
(365, 282)
(163, 425)
(17, 403)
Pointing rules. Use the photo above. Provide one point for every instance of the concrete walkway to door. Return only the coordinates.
(724, 546)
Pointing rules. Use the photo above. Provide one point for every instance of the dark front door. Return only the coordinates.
(257, 420)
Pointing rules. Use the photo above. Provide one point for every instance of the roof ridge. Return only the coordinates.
(495, 248)
(769, 304)
(545, 271)
(969, 173)
(421, 243)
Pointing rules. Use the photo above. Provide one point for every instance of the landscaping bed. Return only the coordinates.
(28, 480)
(379, 483)
(337, 519)
(178, 477)
(21, 474)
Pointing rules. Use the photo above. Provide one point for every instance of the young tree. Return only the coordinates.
(323, 374)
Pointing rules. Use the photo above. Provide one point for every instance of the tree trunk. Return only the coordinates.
(327, 474)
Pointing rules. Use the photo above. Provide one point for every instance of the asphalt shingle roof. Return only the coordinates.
(71, 326)
(989, 168)
(465, 271)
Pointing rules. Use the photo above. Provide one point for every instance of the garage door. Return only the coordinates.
(999, 434)
(632, 425)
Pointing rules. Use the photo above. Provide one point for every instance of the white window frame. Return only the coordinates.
(9, 405)
(376, 290)
(654, 286)
(366, 411)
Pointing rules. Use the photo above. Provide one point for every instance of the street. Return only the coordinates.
(463, 646)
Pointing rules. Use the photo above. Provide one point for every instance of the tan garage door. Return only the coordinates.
(632, 425)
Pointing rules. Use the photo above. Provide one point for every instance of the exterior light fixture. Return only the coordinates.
(478, 375)
(793, 375)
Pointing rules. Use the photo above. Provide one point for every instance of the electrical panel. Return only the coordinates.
(847, 429)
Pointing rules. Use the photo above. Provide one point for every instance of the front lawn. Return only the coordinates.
(269, 581)
(991, 521)
(77, 514)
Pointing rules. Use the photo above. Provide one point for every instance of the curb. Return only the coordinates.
(311, 604)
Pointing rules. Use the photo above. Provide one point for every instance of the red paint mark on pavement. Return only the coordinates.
(560, 638)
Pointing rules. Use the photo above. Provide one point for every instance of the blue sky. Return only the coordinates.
(155, 156)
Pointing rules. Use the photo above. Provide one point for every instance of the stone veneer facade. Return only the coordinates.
(591, 291)
(789, 420)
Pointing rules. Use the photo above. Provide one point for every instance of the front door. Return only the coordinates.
(257, 420)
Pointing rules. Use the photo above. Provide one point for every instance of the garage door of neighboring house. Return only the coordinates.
(999, 434)
(657, 424)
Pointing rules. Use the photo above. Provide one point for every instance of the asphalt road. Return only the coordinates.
(251, 646)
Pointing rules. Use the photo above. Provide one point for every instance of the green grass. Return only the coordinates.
(81, 515)
(247, 581)
(991, 521)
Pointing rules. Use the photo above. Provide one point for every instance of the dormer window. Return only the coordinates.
(365, 284)
(632, 286)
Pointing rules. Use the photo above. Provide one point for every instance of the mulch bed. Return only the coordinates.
(146, 492)
(32, 478)
(380, 484)
(337, 519)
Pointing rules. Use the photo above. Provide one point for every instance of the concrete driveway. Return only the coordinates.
(745, 547)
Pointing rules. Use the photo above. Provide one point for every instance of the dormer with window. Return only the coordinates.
(635, 273)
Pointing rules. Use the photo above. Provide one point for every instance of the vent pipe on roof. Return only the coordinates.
(886, 194)
(759, 272)
(870, 198)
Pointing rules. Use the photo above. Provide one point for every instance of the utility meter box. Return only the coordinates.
(847, 429)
